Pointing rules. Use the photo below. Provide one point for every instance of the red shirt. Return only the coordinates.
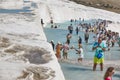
(108, 78)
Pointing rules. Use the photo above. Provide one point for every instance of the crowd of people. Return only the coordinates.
(103, 40)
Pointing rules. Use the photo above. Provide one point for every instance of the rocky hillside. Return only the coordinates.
(110, 5)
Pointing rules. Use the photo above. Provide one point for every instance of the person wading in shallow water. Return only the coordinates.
(99, 55)
(80, 53)
(77, 30)
(58, 50)
(70, 28)
(65, 50)
(69, 36)
(79, 41)
(86, 35)
(109, 73)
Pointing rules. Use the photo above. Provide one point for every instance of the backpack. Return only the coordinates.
(100, 54)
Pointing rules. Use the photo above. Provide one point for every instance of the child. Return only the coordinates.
(109, 73)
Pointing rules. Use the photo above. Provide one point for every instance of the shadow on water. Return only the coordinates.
(90, 43)
(118, 49)
(24, 9)
(26, 1)
(78, 69)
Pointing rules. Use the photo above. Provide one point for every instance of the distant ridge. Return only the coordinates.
(110, 5)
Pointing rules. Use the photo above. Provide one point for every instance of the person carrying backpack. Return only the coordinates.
(99, 48)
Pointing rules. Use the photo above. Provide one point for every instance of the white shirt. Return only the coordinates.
(81, 55)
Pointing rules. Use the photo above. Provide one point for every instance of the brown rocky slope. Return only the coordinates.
(110, 5)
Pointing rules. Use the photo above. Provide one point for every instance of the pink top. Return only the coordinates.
(108, 78)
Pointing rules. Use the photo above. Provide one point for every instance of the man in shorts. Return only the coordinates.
(99, 54)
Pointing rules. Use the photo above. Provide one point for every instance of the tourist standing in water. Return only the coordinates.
(86, 35)
(109, 73)
(99, 54)
(58, 50)
(79, 41)
(80, 53)
(68, 38)
(65, 50)
(77, 30)
(70, 28)
(118, 41)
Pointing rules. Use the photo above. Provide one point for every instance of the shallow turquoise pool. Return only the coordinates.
(77, 71)
(60, 33)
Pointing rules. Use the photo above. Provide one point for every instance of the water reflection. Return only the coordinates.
(13, 11)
